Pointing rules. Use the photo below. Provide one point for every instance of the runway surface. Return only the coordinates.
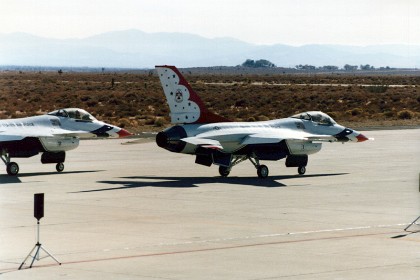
(135, 211)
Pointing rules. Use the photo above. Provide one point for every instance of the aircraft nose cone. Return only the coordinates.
(361, 138)
(123, 133)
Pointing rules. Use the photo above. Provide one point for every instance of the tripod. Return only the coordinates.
(36, 249)
(413, 223)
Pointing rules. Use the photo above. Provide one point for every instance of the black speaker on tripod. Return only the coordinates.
(39, 206)
(38, 214)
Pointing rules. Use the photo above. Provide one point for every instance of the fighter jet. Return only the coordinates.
(214, 139)
(52, 135)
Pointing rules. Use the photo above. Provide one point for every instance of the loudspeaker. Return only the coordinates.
(38, 205)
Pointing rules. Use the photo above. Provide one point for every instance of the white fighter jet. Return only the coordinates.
(52, 135)
(215, 140)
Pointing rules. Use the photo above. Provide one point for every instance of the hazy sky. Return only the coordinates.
(293, 22)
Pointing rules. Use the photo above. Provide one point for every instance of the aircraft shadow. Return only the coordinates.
(193, 182)
(6, 179)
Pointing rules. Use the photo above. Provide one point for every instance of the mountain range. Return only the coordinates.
(138, 49)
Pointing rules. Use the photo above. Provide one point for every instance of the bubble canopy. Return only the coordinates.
(316, 117)
(73, 113)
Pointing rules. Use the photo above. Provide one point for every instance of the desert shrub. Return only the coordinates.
(240, 103)
(150, 120)
(263, 118)
(124, 122)
(355, 112)
(159, 122)
(389, 114)
(91, 103)
(405, 115)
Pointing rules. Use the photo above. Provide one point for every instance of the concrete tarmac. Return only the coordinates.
(134, 211)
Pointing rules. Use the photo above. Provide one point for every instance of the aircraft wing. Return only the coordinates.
(273, 137)
(204, 142)
(13, 135)
(17, 135)
(266, 137)
(6, 138)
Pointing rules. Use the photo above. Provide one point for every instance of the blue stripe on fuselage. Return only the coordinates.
(102, 131)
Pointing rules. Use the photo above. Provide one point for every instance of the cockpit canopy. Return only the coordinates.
(316, 117)
(73, 113)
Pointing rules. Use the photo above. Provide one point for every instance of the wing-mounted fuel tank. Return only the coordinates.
(54, 144)
(303, 148)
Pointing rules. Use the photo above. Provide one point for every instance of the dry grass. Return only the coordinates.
(136, 101)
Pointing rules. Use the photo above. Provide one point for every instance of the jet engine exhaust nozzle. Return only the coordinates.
(170, 139)
(162, 139)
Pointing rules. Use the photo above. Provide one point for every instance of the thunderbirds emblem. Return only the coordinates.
(178, 96)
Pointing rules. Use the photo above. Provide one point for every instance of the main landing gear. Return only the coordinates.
(262, 170)
(224, 171)
(301, 170)
(12, 168)
(59, 167)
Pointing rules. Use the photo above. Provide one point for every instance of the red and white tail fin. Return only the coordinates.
(184, 103)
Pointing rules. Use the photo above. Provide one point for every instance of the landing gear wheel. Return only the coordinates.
(262, 171)
(224, 171)
(59, 167)
(301, 170)
(12, 168)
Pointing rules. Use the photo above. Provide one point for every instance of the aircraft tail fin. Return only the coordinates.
(184, 103)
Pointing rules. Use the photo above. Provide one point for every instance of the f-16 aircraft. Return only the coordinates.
(214, 139)
(52, 135)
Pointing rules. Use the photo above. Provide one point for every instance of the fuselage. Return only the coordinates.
(213, 139)
(50, 133)
(231, 135)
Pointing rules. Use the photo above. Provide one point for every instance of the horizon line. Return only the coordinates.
(209, 38)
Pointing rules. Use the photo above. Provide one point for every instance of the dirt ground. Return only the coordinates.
(136, 101)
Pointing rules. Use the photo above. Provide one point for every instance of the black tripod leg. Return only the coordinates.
(36, 254)
(24, 261)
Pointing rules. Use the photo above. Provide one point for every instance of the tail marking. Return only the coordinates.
(184, 103)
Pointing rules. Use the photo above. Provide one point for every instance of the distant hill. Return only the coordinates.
(137, 49)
